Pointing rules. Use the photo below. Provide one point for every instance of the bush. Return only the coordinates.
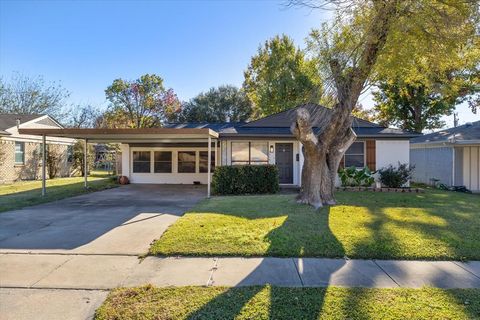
(395, 177)
(246, 179)
(356, 177)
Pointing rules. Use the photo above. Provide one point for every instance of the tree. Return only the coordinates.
(223, 104)
(280, 77)
(84, 116)
(26, 95)
(143, 103)
(411, 107)
(79, 157)
(348, 52)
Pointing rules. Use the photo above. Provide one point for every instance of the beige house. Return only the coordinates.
(21, 154)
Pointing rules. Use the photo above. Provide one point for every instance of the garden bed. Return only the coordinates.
(372, 189)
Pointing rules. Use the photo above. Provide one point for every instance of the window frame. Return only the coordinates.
(163, 161)
(194, 152)
(249, 161)
(22, 144)
(149, 161)
(356, 154)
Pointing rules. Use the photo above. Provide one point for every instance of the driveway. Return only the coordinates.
(123, 220)
(51, 253)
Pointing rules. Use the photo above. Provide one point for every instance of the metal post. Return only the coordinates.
(85, 164)
(208, 164)
(44, 163)
(216, 153)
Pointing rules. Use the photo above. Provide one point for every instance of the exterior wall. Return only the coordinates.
(32, 167)
(432, 163)
(163, 178)
(458, 167)
(390, 152)
(471, 167)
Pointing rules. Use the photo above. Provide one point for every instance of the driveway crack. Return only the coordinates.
(214, 268)
(49, 273)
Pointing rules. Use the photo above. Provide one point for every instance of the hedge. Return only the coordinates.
(247, 179)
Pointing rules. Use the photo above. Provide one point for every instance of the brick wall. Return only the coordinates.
(32, 168)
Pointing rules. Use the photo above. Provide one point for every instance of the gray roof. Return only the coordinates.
(279, 125)
(9, 120)
(461, 134)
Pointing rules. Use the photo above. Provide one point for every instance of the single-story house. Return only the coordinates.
(179, 153)
(20, 154)
(450, 156)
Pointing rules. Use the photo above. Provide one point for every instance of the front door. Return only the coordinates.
(284, 162)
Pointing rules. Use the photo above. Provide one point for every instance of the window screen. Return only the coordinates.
(141, 161)
(204, 161)
(186, 161)
(355, 155)
(163, 162)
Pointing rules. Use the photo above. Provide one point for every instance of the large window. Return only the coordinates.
(355, 155)
(19, 152)
(141, 161)
(249, 153)
(204, 161)
(186, 161)
(163, 162)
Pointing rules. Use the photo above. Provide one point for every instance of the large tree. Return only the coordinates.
(142, 103)
(348, 51)
(223, 104)
(32, 95)
(412, 107)
(280, 77)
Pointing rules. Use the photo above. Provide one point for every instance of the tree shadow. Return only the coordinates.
(275, 274)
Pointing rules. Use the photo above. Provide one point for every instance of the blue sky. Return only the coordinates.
(192, 45)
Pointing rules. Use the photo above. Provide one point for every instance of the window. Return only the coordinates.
(249, 153)
(141, 161)
(69, 153)
(163, 162)
(204, 161)
(355, 155)
(186, 161)
(19, 152)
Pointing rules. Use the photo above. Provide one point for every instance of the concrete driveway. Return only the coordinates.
(49, 252)
(123, 220)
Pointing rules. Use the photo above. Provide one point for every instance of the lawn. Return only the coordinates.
(26, 193)
(436, 225)
(289, 303)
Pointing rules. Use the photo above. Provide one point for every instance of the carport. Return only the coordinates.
(146, 140)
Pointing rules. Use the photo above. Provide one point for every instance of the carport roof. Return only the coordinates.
(125, 135)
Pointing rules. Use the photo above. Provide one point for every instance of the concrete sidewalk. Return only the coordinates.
(101, 272)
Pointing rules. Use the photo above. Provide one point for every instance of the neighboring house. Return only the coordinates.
(21, 155)
(178, 153)
(451, 156)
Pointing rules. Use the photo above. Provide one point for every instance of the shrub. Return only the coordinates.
(353, 177)
(246, 179)
(395, 177)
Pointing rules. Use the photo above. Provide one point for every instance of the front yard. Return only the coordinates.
(26, 193)
(289, 303)
(435, 225)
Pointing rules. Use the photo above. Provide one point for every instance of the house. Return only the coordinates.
(179, 153)
(451, 156)
(20, 154)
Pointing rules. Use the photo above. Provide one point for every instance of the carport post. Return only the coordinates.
(85, 164)
(209, 164)
(44, 160)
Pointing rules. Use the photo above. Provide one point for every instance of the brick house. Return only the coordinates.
(20, 154)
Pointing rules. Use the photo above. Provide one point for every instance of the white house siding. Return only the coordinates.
(471, 167)
(162, 178)
(391, 152)
(432, 163)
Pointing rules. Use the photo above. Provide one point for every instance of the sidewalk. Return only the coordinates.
(103, 272)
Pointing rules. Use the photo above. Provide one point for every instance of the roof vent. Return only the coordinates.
(468, 124)
(18, 122)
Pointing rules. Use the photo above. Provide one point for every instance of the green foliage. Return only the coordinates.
(356, 177)
(280, 77)
(396, 177)
(53, 158)
(223, 104)
(247, 179)
(142, 103)
(79, 158)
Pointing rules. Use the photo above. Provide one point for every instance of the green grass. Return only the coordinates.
(289, 303)
(435, 225)
(27, 193)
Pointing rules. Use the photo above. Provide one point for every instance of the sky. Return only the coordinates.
(192, 45)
